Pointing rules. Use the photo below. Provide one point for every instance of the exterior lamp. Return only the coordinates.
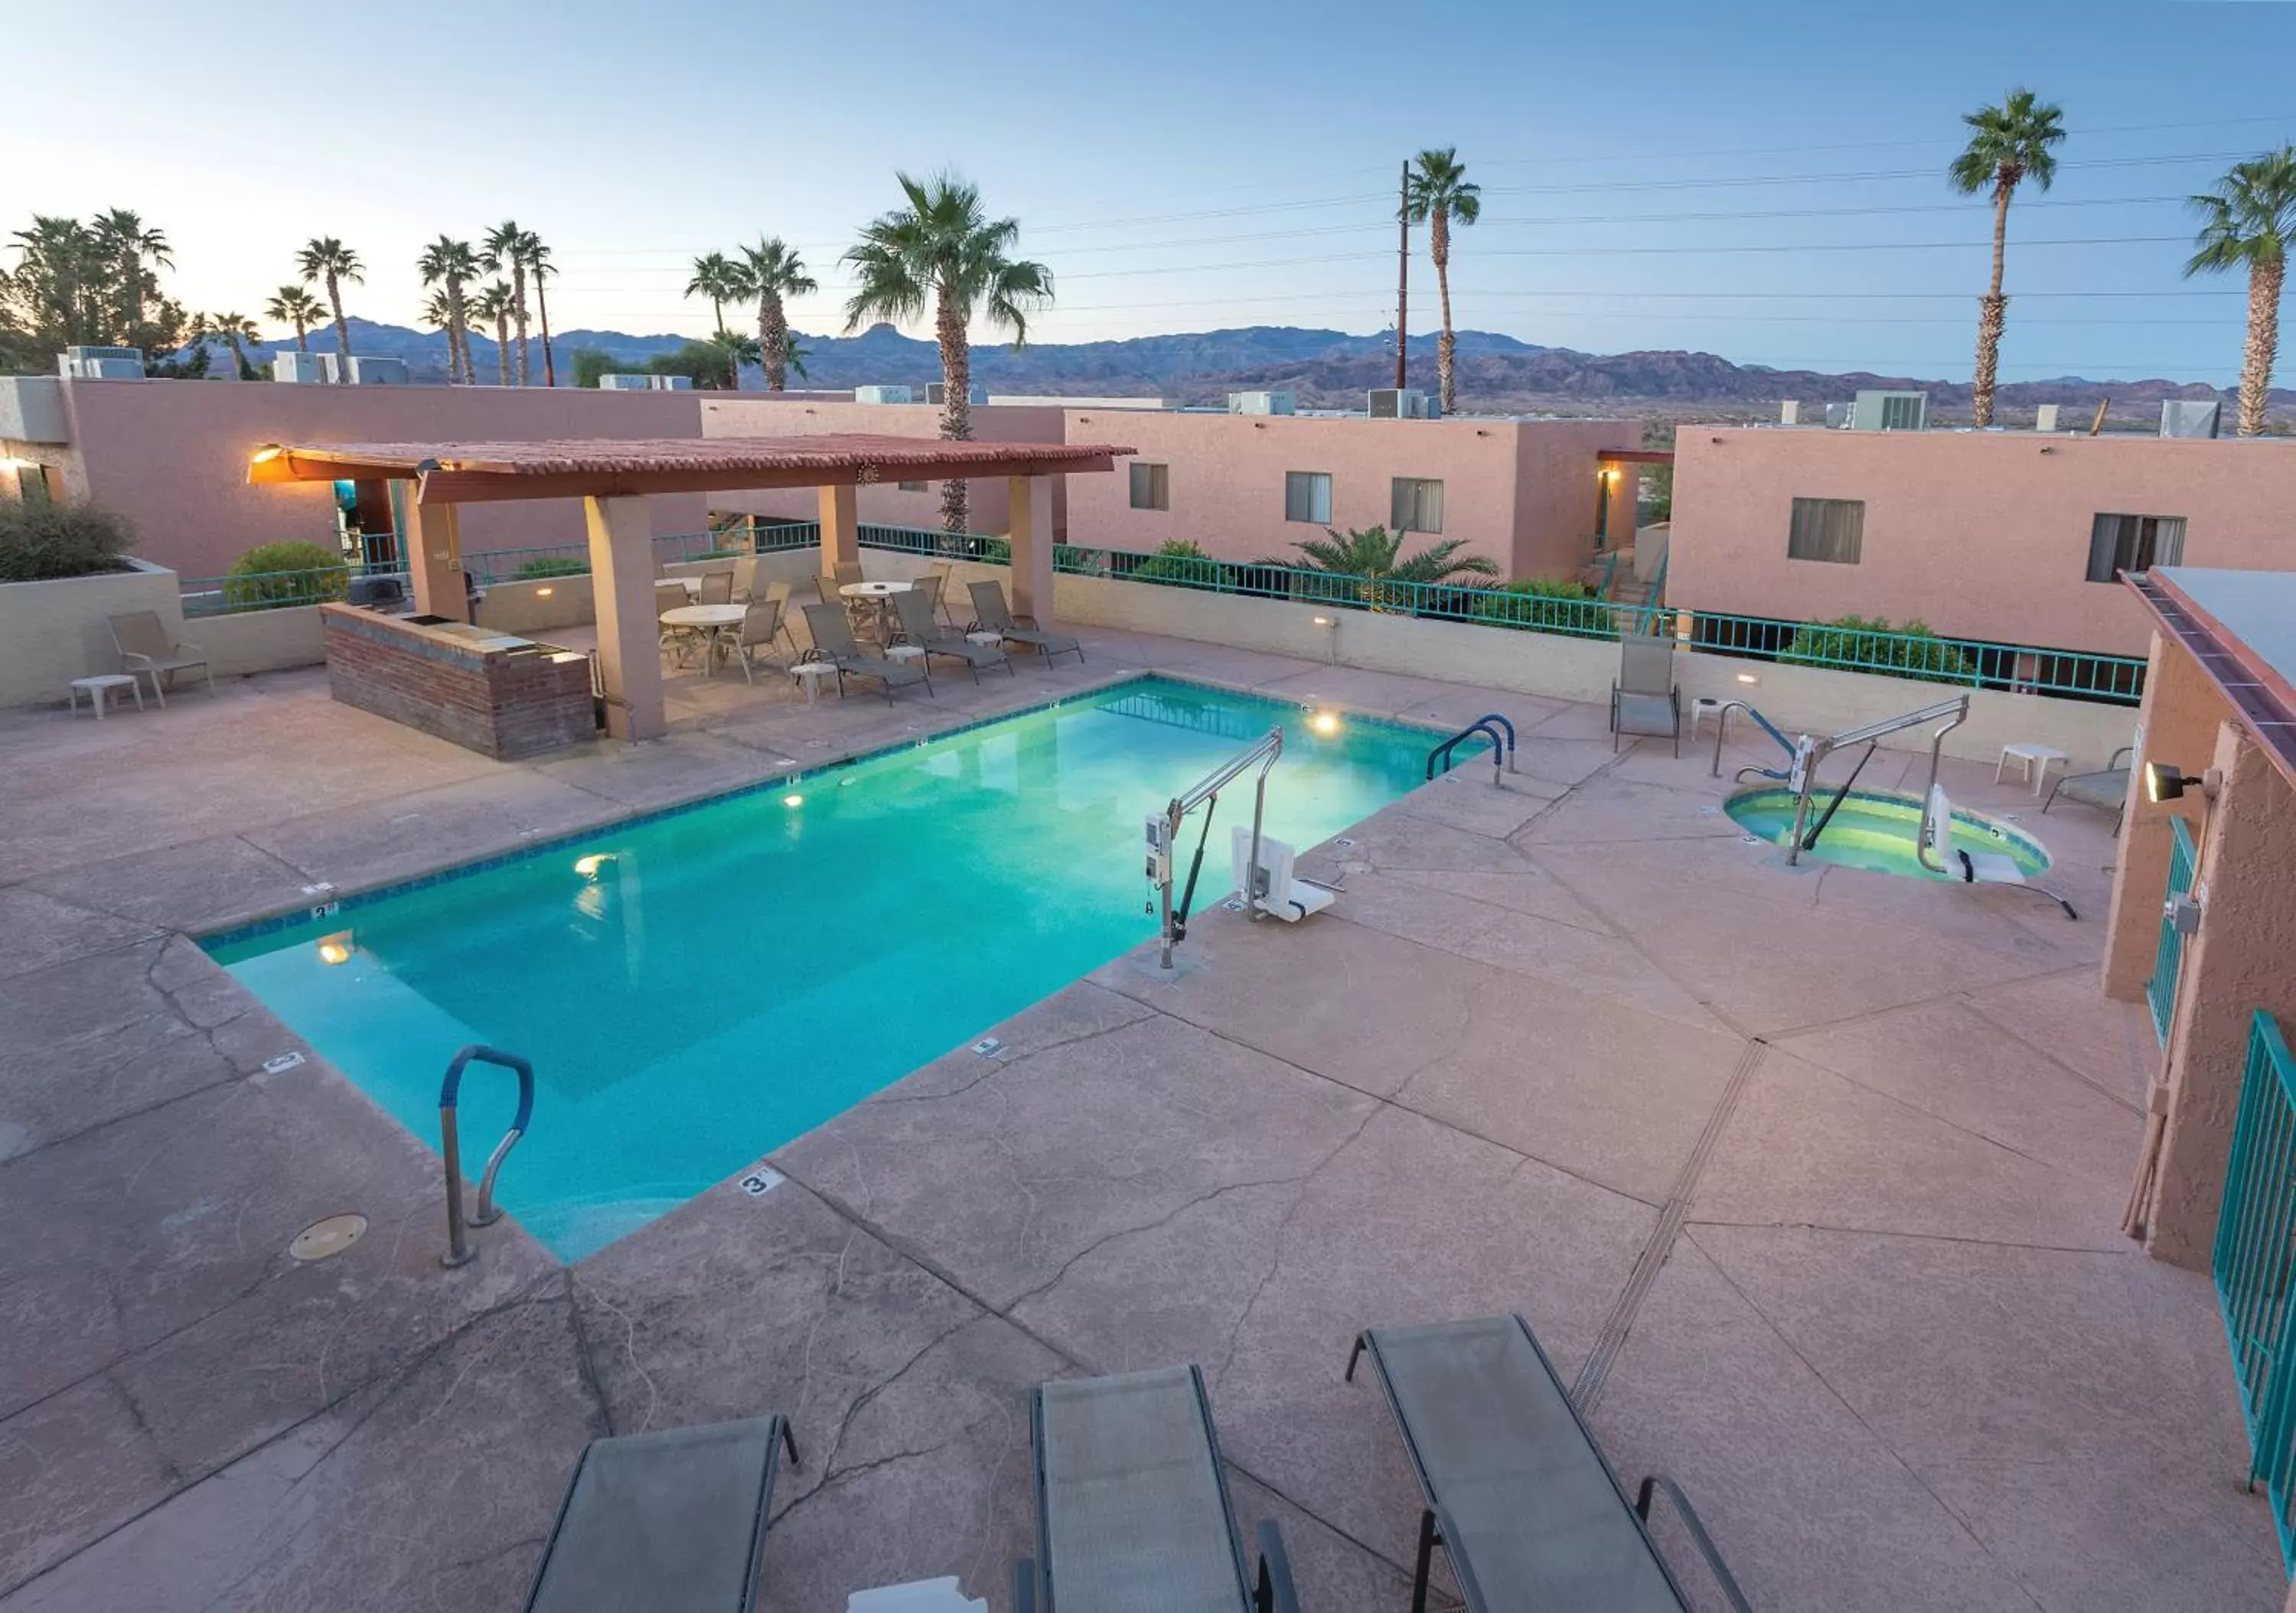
(2163, 782)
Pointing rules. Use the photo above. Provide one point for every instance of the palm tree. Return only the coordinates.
(1441, 195)
(770, 270)
(60, 275)
(450, 263)
(498, 303)
(942, 250)
(2248, 222)
(294, 306)
(324, 258)
(739, 350)
(234, 331)
(505, 250)
(2008, 144)
(534, 256)
(120, 236)
(719, 279)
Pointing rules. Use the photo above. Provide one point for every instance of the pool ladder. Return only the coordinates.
(1493, 727)
(459, 1251)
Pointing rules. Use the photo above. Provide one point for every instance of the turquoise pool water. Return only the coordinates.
(697, 989)
(1876, 829)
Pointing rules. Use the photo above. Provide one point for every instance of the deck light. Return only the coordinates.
(1748, 677)
(589, 866)
(1323, 621)
(2163, 782)
(544, 592)
(792, 800)
(336, 948)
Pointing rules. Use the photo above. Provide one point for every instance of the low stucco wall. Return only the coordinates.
(538, 606)
(259, 640)
(53, 632)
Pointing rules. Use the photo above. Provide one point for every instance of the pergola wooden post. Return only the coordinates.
(612, 479)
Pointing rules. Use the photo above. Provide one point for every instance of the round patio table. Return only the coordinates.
(877, 594)
(709, 620)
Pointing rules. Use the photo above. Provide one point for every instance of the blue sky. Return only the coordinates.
(1762, 182)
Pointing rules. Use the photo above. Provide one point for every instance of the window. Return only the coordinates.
(1308, 497)
(1418, 505)
(32, 483)
(2133, 543)
(916, 486)
(1827, 528)
(1152, 487)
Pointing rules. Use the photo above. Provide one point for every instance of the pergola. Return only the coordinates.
(614, 479)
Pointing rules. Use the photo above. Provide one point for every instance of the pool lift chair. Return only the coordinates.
(1262, 866)
(1972, 867)
(1809, 752)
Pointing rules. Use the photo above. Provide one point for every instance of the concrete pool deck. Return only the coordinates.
(1809, 1179)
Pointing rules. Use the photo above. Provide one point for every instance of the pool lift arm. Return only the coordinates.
(1809, 752)
(1164, 832)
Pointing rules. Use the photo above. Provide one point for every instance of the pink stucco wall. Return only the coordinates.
(172, 456)
(1979, 534)
(765, 416)
(1521, 492)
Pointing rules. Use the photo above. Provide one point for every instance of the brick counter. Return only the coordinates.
(503, 697)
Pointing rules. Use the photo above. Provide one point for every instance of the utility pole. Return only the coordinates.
(1402, 276)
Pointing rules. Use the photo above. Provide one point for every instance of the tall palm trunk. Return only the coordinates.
(502, 347)
(458, 338)
(2263, 282)
(302, 338)
(541, 310)
(956, 400)
(342, 326)
(772, 340)
(1992, 311)
(1446, 344)
(517, 312)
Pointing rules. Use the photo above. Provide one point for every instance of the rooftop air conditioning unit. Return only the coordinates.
(1837, 417)
(1790, 413)
(1877, 411)
(672, 383)
(882, 395)
(1263, 403)
(2179, 418)
(2045, 418)
(369, 371)
(100, 363)
(1391, 403)
(937, 393)
(619, 383)
(296, 369)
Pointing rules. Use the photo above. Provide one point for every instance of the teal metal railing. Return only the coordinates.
(492, 566)
(265, 590)
(935, 542)
(1851, 645)
(2168, 952)
(2255, 1265)
(1647, 618)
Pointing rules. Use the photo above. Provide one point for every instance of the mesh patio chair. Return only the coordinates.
(1514, 1489)
(934, 586)
(1133, 1513)
(991, 614)
(716, 588)
(761, 625)
(677, 642)
(745, 579)
(1644, 699)
(672, 1522)
(917, 627)
(145, 650)
(833, 642)
(2106, 788)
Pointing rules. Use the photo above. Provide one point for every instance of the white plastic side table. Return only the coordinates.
(96, 688)
(1703, 707)
(2032, 763)
(984, 636)
(905, 652)
(810, 674)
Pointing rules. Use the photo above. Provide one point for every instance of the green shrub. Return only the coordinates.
(1182, 563)
(39, 540)
(1912, 649)
(550, 565)
(1545, 604)
(272, 576)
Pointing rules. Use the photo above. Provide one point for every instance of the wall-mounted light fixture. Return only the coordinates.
(544, 592)
(1748, 677)
(2163, 782)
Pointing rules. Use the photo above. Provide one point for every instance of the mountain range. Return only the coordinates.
(1327, 369)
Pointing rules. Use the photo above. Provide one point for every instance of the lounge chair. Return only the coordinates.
(145, 650)
(1132, 1504)
(991, 614)
(1514, 1490)
(671, 1522)
(918, 627)
(1937, 853)
(2106, 788)
(1645, 700)
(833, 642)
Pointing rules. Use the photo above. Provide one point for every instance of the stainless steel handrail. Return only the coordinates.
(1165, 831)
(450, 1145)
(1810, 752)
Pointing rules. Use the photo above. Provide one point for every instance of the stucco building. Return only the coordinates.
(2012, 537)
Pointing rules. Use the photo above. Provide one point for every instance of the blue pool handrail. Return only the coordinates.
(450, 1145)
(1493, 727)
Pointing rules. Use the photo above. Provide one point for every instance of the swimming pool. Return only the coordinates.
(696, 988)
(1875, 829)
